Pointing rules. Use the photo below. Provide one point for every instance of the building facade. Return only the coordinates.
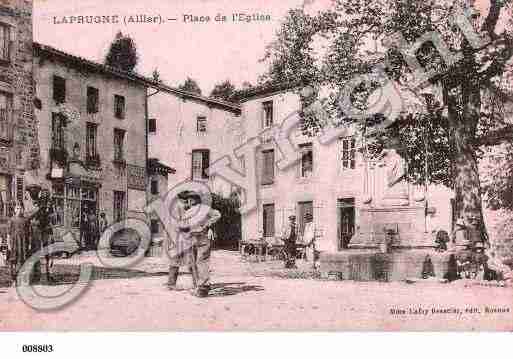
(18, 130)
(188, 132)
(333, 182)
(92, 131)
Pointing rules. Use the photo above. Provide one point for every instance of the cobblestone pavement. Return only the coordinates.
(244, 297)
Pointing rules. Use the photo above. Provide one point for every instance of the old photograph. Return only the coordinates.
(213, 165)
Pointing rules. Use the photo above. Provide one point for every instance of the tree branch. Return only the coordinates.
(500, 61)
(492, 18)
(493, 138)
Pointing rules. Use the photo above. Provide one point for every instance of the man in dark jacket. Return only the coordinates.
(290, 238)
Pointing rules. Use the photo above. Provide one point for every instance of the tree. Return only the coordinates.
(450, 115)
(122, 53)
(228, 228)
(190, 85)
(223, 91)
(156, 76)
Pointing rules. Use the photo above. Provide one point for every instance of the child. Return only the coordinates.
(18, 241)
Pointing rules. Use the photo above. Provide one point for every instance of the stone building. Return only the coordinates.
(349, 198)
(92, 133)
(188, 132)
(18, 128)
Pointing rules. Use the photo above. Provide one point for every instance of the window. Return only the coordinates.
(5, 42)
(58, 124)
(119, 206)
(5, 116)
(59, 89)
(200, 163)
(119, 144)
(71, 202)
(155, 226)
(152, 125)
(306, 164)
(154, 186)
(119, 106)
(268, 220)
(6, 204)
(19, 189)
(267, 112)
(267, 167)
(303, 209)
(348, 152)
(201, 124)
(93, 98)
(91, 139)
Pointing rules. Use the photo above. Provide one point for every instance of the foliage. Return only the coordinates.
(501, 232)
(444, 120)
(156, 76)
(190, 85)
(223, 91)
(228, 228)
(498, 178)
(122, 53)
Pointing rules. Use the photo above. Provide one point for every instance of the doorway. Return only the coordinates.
(346, 221)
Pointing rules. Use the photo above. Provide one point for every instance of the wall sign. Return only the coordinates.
(136, 177)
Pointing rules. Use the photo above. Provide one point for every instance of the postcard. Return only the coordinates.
(212, 165)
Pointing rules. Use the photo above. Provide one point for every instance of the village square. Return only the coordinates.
(318, 198)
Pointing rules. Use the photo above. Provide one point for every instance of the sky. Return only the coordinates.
(208, 52)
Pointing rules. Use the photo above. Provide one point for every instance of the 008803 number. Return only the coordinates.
(37, 348)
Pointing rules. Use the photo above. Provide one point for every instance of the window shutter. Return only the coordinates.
(268, 219)
(205, 163)
(268, 167)
(12, 43)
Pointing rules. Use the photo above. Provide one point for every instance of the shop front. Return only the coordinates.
(76, 200)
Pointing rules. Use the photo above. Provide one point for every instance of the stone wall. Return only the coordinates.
(16, 81)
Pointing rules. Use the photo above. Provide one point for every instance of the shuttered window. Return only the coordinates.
(267, 167)
(306, 151)
(93, 97)
(201, 124)
(119, 206)
(268, 220)
(347, 152)
(119, 106)
(267, 114)
(5, 40)
(303, 209)
(58, 124)
(5, 117)
(119, 144)
(200, 164)
(59, 89)
(91, 139)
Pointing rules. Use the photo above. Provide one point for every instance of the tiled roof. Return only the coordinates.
(131, 76)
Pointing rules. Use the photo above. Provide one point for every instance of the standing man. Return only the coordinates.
(43, 217)
(84, 228)
(309, 238)
(193, 243)
(104, 223)
(290, 238)
(94, 231)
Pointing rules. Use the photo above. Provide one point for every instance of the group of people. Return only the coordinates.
(29, 231)
(91, 228)
(470, 258)
(292, 238)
